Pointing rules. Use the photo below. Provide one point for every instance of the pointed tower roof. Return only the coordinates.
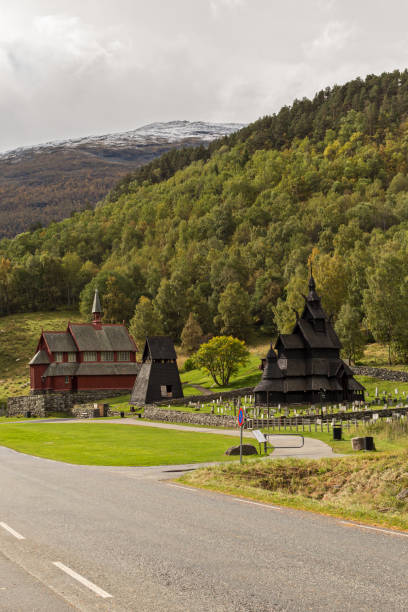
(96, 306)
(312, 295)
(272, 376)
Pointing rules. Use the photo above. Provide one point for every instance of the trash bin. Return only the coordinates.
(369, 443)
(122, 415)
(28, 414)
(337, 432)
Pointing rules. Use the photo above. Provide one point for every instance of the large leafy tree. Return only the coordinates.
(348, 328)
(145, 321)
(221, 357)
(234, 312)
(386, 301)
(117, 306)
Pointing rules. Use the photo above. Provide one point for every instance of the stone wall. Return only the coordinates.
(88, 411)
(41, 404)
(207, 398)
(19, 406)
(155, 413)
(381, 373)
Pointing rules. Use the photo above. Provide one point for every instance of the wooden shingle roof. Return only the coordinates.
(60, 342)
(92, 369)
(106, 338)
(159, 347)
(40, 358)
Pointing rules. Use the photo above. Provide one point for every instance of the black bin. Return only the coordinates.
(337, 432)
(122, 415)
(369, 443)
(28, 414)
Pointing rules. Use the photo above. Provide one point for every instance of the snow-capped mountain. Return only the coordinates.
(50, 181)
(152, 134)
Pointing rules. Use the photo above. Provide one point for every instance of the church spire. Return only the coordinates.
(312, 284)
(96, 309)
(312, 295)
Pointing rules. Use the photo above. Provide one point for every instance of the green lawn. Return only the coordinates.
(388, 386)
(114, 444)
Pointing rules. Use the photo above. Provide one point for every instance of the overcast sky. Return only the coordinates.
(71, 68)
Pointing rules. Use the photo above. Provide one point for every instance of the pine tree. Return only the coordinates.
(145, 321)
(191, 335)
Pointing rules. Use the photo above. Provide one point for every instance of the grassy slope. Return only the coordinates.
(19, 334)
(113, 444)
(362, 488)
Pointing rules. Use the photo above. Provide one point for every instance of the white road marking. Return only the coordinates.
(10, 530)
(246, 501)
(185, 488)
(82, 580)
(387, 531)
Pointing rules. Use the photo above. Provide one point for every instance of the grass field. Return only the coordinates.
(114, 444)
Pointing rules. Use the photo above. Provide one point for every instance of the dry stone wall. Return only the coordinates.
(206, 398)
(155, 413)
(381, 373)
(40, 405)
(19, 406)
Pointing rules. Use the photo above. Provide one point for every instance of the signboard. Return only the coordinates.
(241, 417)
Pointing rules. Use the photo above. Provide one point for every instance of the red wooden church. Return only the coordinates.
(86, 357)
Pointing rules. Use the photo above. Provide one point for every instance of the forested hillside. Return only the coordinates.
(229, 238)
(50, 182)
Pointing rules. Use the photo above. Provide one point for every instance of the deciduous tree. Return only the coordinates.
(221, 358)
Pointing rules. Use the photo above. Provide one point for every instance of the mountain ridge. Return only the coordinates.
(50, 181)
(158, 132)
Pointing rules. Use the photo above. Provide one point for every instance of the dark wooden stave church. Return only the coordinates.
(307, 367)
(158, 378)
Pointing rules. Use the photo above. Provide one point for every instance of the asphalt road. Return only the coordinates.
(145, 544)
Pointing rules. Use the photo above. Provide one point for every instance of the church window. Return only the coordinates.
(72, 357)
(123, 356)
(107, 356)
(89, 355)
(59, 357)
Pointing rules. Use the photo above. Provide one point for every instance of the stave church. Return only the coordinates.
(305, 366)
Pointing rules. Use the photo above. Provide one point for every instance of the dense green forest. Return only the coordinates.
(229, 235)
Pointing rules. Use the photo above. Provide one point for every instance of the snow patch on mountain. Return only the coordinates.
(153, 133)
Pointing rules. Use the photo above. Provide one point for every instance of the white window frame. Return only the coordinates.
(123, 355)
(59, 356)
(72, 357)
(90, 356)
(107, 356)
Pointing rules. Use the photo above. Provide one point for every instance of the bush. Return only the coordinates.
(189, 365)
